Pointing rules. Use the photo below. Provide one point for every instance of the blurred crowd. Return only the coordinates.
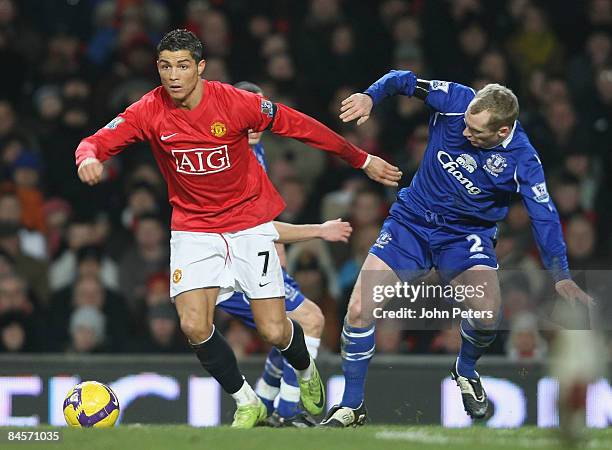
(85, 269)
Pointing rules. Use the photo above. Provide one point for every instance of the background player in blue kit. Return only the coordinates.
(477, 156)
(279, 378)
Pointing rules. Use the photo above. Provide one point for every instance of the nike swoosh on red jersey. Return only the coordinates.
(163, 138)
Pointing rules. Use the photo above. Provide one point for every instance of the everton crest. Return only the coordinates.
(495, 164)
(383, 239)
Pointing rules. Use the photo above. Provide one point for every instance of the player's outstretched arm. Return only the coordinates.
(291, 123)
(331, 231)
(359, 105)
(123, 130)
(546, 227)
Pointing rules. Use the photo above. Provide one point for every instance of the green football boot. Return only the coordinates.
(312, 392)
(247, 416)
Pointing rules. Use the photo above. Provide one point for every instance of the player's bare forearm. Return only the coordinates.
(282, 254)
(290, 233)
(332, 231)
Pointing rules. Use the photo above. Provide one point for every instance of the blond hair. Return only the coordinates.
(500, 102)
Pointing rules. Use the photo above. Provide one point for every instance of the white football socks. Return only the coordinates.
(306, 374)
(312, 344)
(245, 395)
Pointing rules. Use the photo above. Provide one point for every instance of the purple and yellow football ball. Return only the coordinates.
(91, 404)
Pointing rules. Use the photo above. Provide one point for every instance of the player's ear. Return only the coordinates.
(504, 132)
(201, 66)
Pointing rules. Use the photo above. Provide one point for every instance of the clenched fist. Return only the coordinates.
(335, 231)
(90, 171)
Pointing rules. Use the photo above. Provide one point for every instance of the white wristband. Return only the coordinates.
(87, 161)
(367, 161)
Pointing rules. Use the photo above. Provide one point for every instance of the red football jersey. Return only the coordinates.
(215, 183)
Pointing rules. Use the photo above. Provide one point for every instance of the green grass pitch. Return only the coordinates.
(177, 437)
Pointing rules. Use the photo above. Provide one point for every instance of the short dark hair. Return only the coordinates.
(249, 87)
(181, 39)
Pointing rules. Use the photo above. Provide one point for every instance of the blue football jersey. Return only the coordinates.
(260, 154)
(463, 182)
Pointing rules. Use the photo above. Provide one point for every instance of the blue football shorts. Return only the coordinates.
(412, 243)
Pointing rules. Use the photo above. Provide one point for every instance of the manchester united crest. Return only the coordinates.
(218, 129)
(177, 275)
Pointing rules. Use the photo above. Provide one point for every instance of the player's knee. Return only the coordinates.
(318, 323)
(310, 317)
(353, 314)
(274, 333)
(314, 323)
(488, 321)
(487, 324)
(196, 331)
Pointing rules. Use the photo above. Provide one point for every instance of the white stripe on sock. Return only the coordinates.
(361, 355)
(273, 370)
(289, 393)
(358, 335)
(264, 390)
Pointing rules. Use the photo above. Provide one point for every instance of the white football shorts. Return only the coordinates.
(244, 261)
